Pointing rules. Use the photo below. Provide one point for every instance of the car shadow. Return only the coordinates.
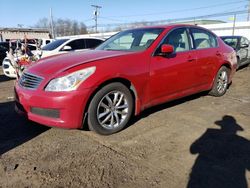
(163, 106)
(4, 78)
(243, 67)
(14, 129)
(147, 112)
(223, 157)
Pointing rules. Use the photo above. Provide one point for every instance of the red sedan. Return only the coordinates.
(131, 71)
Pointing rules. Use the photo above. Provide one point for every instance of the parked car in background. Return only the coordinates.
(8, 63)
(44, 42)
(4, 47)
(129, 72)
(39, 42)
(8, 68)
(3, 51)
(61, 46)
(242, 47)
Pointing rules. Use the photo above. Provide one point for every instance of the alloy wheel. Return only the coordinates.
(112, 110)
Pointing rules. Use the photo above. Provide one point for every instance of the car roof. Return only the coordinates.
(173, 26)
(231, 36)
(77, 37)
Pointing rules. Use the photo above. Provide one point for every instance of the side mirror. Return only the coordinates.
(167, 49)
(66, 48)
(244, 45)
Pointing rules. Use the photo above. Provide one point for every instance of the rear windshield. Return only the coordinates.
(55, 44)
(231, 41)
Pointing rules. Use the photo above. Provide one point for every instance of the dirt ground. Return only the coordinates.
(199, 141)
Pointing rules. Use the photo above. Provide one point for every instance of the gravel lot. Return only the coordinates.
(199, 141)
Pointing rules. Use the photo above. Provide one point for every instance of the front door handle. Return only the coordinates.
(190, 59)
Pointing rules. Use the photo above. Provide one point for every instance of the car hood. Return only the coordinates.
(60, 63)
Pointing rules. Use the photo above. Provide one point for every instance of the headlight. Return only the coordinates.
(71, 81)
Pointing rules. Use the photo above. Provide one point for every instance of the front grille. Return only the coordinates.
(30, 81)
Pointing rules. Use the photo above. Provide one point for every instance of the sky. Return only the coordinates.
(28, 12)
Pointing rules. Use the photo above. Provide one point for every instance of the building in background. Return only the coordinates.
(230, 29)
(7, 34)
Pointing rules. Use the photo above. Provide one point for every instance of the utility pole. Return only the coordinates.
(248, 15)
(52, 24)
(96, 14)
(234, 24)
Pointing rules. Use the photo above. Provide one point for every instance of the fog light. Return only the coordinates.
(52, 113)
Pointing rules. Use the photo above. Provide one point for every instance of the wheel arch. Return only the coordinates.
(225, 64)
(121, 80)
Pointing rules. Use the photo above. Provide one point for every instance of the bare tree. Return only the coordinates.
(63, 27)
(42, 23)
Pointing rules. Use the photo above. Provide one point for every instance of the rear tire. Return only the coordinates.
(238, 63)
(220, 82)
(110, 109)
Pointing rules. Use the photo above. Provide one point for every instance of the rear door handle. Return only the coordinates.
(218, 53)
(191, 59)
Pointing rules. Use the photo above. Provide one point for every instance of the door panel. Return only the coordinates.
(208, 55)
(173, 74)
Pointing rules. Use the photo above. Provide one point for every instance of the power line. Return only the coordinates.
(180, 10)
(118, 20)
(111, 19)
(178, 19)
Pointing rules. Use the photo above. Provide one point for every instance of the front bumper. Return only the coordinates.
(59, 109)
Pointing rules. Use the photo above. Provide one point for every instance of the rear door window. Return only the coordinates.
(92, 43)
(203, 39)
(77, 44)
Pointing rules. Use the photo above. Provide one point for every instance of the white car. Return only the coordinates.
(8, 68)
(64, 45)
(44, 42)
(58, 46)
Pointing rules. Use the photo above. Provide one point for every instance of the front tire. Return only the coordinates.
(110, 109)
(221, 82)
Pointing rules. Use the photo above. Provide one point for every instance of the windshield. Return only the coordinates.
(231, 41)
(53, 45)
(131, 40)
